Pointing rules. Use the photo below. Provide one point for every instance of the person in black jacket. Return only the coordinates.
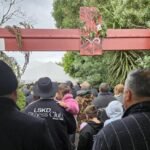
(132, 132)
(90, 129)
(19, 131)
(60, 122)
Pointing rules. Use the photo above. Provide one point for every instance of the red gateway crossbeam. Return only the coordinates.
(43, 39)
(69, 39)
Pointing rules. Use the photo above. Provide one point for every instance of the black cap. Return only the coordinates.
(8, 80)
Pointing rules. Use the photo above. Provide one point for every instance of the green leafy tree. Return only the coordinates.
(85, 68)
(66, 13)
(68, 63)
(116, 14)
(21, 103)
(125, 14)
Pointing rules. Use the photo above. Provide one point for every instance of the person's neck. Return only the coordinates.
(138, 101)
(139, 107)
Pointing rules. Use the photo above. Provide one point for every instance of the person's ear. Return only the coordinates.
(14, 96)
(127, 98)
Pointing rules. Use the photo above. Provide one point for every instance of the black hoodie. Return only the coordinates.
(60, 122)
(86, 135)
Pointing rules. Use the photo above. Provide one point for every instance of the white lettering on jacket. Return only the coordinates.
(47, 112)
(39, 110)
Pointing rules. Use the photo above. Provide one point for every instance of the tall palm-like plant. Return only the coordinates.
(121, 64)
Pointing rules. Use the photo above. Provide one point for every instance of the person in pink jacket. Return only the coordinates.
(66, 100)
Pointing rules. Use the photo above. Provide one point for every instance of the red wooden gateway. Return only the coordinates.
(43, 39)
(71, 39)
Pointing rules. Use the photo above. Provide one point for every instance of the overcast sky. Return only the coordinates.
(40, 14)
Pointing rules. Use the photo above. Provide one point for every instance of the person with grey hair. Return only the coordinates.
(104, 97)
(132, 131)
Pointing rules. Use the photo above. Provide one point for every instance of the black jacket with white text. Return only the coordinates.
(60, 122)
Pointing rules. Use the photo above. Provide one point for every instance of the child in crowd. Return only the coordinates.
(89, 129)
(114, 111)
(66, 100)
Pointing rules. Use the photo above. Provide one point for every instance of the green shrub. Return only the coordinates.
(21, 102)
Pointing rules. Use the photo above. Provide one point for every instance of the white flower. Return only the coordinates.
(99, 27)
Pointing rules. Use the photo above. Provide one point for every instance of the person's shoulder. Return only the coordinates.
(108, 136)
(86, 128)
(108, 133)
(108, 96)
(102, 96)
(118, 126)
(42, 102)
(67, 115)
(86, 131)
(111, 127)
(116, 130)
(33, 103)
(96, 102)
(27, 119)
(96, 99)
(112, 97)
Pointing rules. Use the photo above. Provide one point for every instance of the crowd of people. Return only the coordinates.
(63, 116)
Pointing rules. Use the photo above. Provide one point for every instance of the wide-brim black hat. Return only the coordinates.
(45, 88)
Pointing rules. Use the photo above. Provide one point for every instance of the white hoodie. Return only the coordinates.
(114, 111)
